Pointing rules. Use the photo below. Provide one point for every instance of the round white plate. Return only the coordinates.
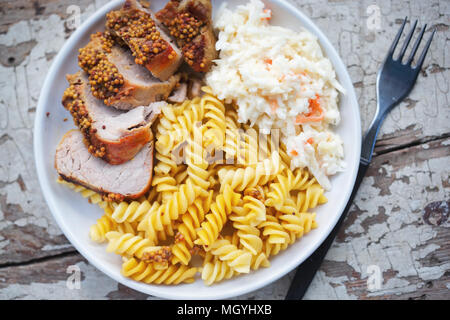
(75, 215)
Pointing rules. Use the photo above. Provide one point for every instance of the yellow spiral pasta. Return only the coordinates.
(164, 183)
(289, 206)
(249, 237)
(232, 139)
(161, 217)
(239, 260)
(259, 260)
(99, 230)
(148, 273)
(196, 160)
(187, 230)
(192, 219)
(298, 224)
(215, 220)
(274, 230)
(249, 147)
(214, 119)
(216, 271)
(209, 170)
(153, 227)
(240, 179)
(130, 212)
(256, 210)
(179, 122)
(128, 244)
(310, 198)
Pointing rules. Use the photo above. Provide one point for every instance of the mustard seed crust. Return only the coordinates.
(139, 31)
(72, 101)
(134, 25)
(189, 22)
(160, 256)
(104, 77)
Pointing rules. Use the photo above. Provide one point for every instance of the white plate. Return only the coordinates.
(75, 215)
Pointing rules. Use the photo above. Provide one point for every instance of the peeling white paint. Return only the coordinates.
(49, 247)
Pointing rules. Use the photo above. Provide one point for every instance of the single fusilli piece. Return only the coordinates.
(274, 230)
(98, 231)
(128, 244)
(249, 237)
(298, 224)
(148, 273)
(310, 198)
(215, 120)
(153, 227)
(196, 160)
(130, 212)
(240, 179)
(239, 260)
(187, 229)
(215, 270)
(259, 260)
(220, 210)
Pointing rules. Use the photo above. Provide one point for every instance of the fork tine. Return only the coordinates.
(397, 38)
(408, 39)
(425, 50)
(416, 45)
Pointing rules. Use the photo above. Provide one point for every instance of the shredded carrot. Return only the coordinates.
(274, 105)
(315, 115)
(310, 140)
(294, 153)
(282, 78)
(268, 62)
(270, 14)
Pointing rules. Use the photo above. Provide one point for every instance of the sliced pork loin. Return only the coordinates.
(190, 22)
(129, 180)
(116, 79)
(113, 135)
(135, 26)
(179, 94)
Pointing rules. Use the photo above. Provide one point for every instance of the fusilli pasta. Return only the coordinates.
(194, 194)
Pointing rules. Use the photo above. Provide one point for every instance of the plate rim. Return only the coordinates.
(153, 290)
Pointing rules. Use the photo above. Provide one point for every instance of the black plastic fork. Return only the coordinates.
(395, 81)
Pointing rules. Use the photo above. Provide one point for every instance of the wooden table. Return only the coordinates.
(399, 222)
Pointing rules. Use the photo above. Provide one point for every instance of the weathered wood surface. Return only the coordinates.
(399, 221)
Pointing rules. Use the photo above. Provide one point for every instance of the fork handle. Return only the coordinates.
(371, 136)
(306, 271)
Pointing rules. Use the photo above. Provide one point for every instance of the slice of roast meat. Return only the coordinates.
(195, 88)
(179, 94)
(135, 26)
(189, 21)
(116, 79)
(129, 180)
(113, 135)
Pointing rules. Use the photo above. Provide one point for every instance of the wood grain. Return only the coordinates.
(399, 220)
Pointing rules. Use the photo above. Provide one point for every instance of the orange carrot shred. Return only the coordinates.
(310, 140)
(294, 153)
(270, 14)
(315, 115)
(274, 105)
